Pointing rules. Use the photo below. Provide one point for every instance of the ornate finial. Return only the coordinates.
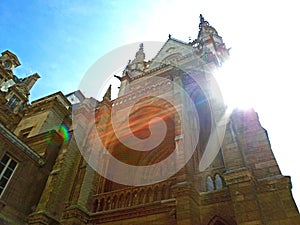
(140, 55)
(202, 22)
(201, 18)
(170, 35)
(141, 46)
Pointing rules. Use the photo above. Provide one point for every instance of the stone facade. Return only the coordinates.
(47, 177)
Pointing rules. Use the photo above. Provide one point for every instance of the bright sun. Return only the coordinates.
(235, 85)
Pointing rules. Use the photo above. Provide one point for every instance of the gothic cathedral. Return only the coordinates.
(167, 150)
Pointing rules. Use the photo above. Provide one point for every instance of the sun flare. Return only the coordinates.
(235, 85)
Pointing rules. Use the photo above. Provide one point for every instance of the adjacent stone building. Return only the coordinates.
(211, 166)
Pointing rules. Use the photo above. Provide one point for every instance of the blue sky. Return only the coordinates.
(61, 39)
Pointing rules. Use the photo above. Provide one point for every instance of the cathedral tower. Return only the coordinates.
(184, 158)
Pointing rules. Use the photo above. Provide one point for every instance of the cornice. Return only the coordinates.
(275, 183)
(46, 104)
(21, 145)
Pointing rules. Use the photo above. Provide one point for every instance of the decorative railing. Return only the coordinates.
(132, 196)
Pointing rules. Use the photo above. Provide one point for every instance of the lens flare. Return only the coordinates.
(54, 140)
(64, 133)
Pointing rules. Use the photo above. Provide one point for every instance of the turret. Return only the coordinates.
(210, 44)
(137, 66)
(14, 91)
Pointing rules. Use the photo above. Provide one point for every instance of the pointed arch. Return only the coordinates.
(101, 205)
(141, 196)
(148, 195)
(128, 200)
(165, 192)
(114, 202)
(135, 198)
(155, 196)
(217, 220)
(121, 200)
(108, 204)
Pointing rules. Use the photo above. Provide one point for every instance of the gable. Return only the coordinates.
(172, 51)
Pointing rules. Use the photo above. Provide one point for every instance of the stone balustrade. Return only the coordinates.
(132, 196)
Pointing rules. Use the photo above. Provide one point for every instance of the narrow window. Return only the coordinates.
(7, 167)
(25, 132)
(210, 184)
(12, 103)
(219, 182)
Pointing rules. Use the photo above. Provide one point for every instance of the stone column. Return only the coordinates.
(245, 203)
(187, 203)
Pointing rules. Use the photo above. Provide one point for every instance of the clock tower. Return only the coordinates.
(14, 91)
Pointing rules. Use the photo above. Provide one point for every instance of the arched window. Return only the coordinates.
(210, 184)
(218, 182)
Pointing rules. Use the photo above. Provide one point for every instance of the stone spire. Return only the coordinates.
(202, 22)
(30, 80)
(107, 95)
(205, 30)
(211, 45)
